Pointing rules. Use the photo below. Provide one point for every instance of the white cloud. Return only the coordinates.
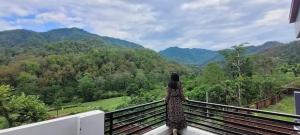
(4, 25)
(264, 1)
(59, 17)
(8, 8)
(158, 24)
(199, 4)
(116, 18)
(273, 17)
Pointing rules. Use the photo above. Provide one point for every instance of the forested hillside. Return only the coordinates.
(288, 52)
(190, 56)
(197, 56)
(25, 38)
(70, 65)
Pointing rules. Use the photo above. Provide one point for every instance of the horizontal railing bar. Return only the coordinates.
(216, 110)
(241, 119)
(137, 121)
(248, 109)
(143, 114)
(162, 117)
(134, 107)
(246, 115)
(228, 126)
(132, 113)
(234, 123)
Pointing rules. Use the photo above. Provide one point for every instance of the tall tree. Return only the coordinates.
(235, 59)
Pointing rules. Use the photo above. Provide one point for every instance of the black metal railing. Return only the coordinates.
(224, 119)
(135, 120)
(215, 118)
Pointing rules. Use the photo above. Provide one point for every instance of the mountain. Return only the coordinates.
(74, 65)
(261, 48)
(288, 52)
(25, 38)
(197, 56)
(193, 56)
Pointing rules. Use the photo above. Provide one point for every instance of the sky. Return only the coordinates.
(158, 24)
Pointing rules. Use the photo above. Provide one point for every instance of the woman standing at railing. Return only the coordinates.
(175, 115)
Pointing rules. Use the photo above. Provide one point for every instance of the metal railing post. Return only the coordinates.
(111, 120)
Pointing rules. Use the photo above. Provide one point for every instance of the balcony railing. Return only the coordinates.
(215, 118)
(135, 120)
(223, 119)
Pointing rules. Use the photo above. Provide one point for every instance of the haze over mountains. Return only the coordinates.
(25, 38)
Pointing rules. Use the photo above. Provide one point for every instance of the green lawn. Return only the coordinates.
(286, 105)
(105, 104)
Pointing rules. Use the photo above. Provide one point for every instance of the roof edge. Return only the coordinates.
(294, 10)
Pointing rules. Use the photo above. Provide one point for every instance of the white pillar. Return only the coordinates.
(92, 123)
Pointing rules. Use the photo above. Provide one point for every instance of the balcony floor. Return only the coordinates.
(163, 130)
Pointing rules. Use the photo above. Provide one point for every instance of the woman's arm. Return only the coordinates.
(167, 95)
(181, 92)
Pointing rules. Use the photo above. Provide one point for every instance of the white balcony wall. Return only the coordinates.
(89, 123)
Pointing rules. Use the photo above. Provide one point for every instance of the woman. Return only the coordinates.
(175, 119)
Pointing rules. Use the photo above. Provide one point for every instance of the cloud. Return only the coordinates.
(256, 2)
(59, 17)
(201, 4)
(158, 24)
(273, 17)
(7, 26)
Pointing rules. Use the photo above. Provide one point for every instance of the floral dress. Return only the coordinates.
(174, 99)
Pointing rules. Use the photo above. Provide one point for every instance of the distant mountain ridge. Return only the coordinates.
(193, 56)
(288, 52)
(197, 56)
(263, 47)
(23, 38)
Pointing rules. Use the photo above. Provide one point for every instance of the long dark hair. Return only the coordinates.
(173, 83)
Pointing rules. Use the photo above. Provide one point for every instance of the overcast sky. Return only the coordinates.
(158, 24)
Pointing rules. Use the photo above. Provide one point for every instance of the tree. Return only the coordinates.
(86, 86)
(20, 109)
(235, 60)
(141, 79)
(213, 74)
(5, 95)
(296, 69)
(264, 65)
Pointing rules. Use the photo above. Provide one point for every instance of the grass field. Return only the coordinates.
(105, 104)
(286, 105)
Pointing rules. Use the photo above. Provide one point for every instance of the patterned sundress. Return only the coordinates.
(174, 99)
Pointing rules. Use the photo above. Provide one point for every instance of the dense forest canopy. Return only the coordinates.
(82, 70)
